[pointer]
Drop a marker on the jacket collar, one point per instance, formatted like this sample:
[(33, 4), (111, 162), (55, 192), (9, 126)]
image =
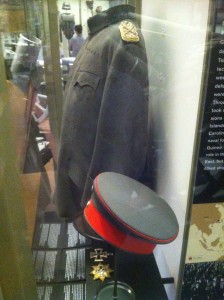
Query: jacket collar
[(112, 15)]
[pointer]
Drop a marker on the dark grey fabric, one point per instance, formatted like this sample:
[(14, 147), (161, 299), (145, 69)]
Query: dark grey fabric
[(105, 116)]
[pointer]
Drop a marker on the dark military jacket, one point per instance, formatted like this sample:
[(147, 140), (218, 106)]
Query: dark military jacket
[(106, 109)]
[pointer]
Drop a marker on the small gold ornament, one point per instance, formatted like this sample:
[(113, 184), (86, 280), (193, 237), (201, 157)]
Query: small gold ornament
[(101, 272), (128, 32)]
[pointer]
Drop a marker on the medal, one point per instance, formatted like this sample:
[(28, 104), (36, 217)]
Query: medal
[(101, 272), (99, 254)]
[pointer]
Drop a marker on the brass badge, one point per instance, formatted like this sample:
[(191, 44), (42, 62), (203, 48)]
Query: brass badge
[(128, 32), (101, 272)]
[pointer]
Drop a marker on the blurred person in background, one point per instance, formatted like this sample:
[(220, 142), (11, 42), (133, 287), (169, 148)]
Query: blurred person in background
[(76, 41)]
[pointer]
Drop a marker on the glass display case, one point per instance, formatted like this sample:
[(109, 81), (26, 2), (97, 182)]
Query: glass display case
[(111, 164)]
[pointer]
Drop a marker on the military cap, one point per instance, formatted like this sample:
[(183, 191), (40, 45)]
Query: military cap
[(129, 215)]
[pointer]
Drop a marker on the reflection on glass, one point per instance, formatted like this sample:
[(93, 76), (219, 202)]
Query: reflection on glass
[(175, 35), (24, 60)]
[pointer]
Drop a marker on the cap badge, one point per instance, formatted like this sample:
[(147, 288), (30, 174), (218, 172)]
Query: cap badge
[(128, 32)]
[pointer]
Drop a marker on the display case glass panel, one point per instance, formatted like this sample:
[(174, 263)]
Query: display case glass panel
[(116, 117)]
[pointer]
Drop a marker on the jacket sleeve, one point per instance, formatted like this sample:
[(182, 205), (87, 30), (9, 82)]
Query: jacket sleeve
[(121, 140)]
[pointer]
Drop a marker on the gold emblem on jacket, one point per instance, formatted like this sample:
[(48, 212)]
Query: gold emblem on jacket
[(128, 32)]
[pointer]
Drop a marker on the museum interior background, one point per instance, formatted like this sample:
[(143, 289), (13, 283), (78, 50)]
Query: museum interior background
[(175, 34)]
